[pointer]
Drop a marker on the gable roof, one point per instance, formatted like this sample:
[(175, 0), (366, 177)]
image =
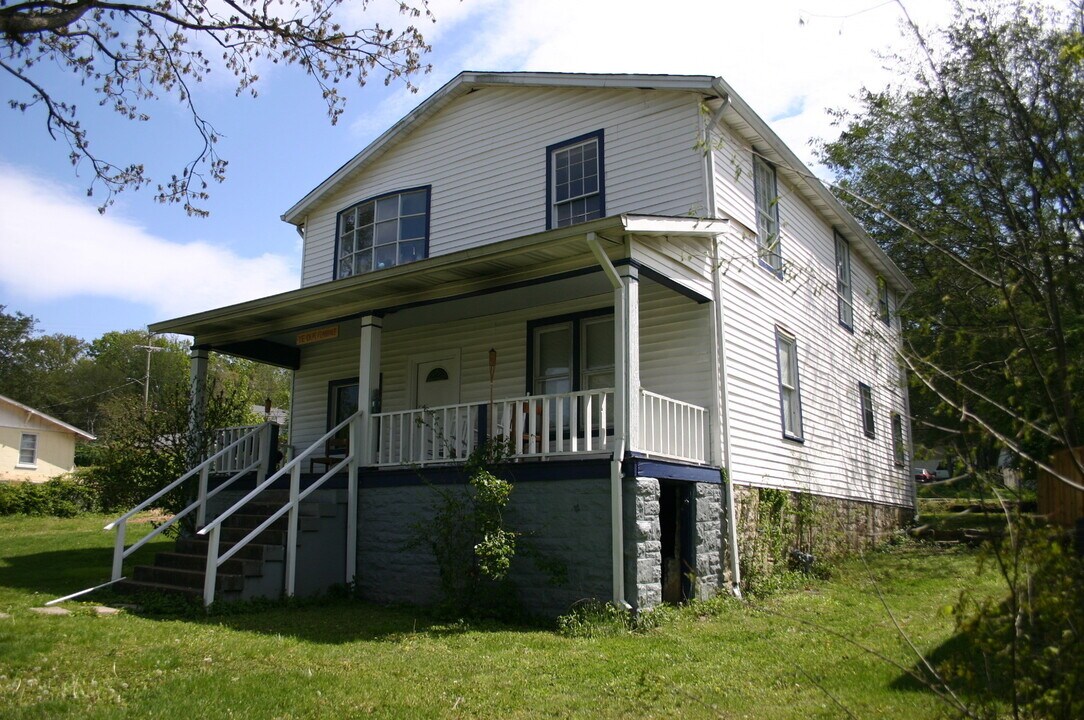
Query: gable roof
[(736, 112), (47, 419)]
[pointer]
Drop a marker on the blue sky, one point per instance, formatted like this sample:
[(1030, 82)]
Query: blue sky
[(83, 274)]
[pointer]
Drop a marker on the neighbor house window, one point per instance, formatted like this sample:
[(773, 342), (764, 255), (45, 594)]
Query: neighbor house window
[(790, 397), (575, 190), (899, 450), (883, 311), (865, 395), (844, 294), (383, 232), (767, 209), (28, 449)]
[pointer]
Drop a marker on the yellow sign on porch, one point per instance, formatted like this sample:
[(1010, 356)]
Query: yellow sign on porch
[(318, 335)]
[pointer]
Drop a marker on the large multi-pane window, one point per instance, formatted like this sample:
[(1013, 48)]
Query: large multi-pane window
[(844, 292), (383, 232), (576, 188), (767, 210), (790, 396), (865, 395), (28, 449)]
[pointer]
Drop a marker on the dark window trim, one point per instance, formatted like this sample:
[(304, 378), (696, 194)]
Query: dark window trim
[(899, 450), (339, 219), (551, 149), (774, 206), (782, 333), (575, 319), (869, 429), (884, 301), (332, 386)]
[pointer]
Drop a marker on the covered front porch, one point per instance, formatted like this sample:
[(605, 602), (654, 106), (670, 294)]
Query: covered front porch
[(594, 344)]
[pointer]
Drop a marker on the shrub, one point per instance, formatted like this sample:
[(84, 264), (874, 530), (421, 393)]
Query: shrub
[(59, 497)]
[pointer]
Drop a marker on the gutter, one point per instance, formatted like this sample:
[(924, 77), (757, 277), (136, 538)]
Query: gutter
[(617, 535), (719, 376)]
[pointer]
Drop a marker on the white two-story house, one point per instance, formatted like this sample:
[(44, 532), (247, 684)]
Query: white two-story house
[(628, 279)]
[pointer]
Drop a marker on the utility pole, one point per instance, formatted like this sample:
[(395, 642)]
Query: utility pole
[(147, 375)]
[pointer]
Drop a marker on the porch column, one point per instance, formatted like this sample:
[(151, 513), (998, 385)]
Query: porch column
[(369, 382), (628, 347), (197, 402)]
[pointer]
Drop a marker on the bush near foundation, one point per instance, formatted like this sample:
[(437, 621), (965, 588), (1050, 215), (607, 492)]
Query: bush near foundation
[(59, 497)]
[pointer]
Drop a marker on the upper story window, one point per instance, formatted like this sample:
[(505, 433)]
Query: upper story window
[(790, 395), (575, 189), (767, 208), (844, 293), (383, 232), (883, 310), (28, 449)]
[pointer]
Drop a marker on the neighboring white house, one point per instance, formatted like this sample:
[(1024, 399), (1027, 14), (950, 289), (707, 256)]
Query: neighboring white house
[(650, 286), (33, 445)]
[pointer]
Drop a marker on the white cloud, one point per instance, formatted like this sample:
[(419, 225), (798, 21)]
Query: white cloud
[(55, 246)]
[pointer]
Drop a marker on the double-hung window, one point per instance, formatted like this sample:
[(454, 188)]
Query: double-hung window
[(899, 450), (573, 354), (883, 308), (865, 395), (575, 189), (790, 396), (383, 232), (767, 210), (28, 450), (844, 292)]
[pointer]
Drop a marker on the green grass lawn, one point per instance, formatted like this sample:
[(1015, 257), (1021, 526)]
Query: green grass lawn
[(782, 657)]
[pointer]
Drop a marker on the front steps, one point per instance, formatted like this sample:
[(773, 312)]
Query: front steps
[(258, 569)]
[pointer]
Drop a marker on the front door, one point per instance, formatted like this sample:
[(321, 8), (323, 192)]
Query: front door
[(436, 380)]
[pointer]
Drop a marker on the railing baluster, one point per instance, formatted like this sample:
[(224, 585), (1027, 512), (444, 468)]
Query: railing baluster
[(212, 565)]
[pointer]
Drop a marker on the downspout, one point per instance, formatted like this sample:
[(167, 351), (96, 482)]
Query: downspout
[(907, 413), (719, 360), (617, 536)]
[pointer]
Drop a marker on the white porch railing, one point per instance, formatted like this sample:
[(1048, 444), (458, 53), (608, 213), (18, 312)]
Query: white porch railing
[(533, 426), (256, 440), (292, 507), (673, 429), (240, 454)]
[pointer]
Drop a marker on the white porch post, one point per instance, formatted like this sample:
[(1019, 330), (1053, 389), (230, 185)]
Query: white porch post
[(630, 351), (197, 401), (363, 438)]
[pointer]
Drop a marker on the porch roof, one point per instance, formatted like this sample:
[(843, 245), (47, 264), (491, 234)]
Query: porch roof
[(243, 329)]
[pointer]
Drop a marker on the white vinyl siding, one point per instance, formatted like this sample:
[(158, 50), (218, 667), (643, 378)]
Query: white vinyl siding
[(484, 191)]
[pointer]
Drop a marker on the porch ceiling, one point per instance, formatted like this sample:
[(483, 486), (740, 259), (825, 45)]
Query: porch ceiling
[(464, 273)]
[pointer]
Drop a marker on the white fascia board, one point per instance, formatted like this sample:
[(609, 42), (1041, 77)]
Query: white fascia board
[(673, 226), (461, 84), (48, 419), (805, 176)]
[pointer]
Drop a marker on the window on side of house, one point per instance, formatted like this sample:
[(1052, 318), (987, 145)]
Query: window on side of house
[(883, 308), (28, 450), (767, 210), (865, 395), (790, 397), (844, 292), (575, 188), (383, 232), (899, 450)]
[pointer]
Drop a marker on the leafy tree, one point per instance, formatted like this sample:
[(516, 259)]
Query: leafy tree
[(970, 175), (129, 53)]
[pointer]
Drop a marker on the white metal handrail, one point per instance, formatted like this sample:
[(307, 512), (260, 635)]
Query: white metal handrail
[(293, 467), (120, 553), (533, 426), (673, 429)]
